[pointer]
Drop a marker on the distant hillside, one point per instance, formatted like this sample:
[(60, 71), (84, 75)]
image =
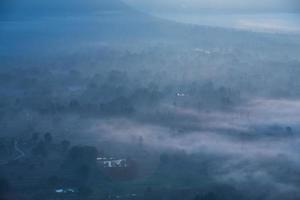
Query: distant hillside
[(44, 25), (37, 9)]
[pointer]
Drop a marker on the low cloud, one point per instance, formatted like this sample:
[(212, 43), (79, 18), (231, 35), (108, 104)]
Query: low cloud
[(245, 156), (218, 132), (276, 26)]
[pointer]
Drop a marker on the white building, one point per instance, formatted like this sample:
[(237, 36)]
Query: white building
[(113, 162)]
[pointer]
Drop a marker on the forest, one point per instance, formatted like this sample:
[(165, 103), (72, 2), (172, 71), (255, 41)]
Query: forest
[(103, 101)]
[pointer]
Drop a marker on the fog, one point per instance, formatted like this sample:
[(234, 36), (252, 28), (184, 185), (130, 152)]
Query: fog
[(204, 109)]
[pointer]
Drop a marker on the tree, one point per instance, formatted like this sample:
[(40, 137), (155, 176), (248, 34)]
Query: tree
[(35, 137), (53, 181), (74, 104), (151, 194), (141, 141), (85, 191), (80, 155), (65, 145), (164, 158), (40, 149), (197, 197), (48, 137), (210, 196), (84, 172), (289, 130), (120, 105)]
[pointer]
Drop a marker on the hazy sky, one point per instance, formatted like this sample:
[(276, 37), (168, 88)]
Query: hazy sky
[(202, 12), (224, 5), (270, 15)]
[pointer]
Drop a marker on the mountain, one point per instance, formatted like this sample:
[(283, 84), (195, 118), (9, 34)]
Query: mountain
[(45, 25), (28, 24), (53, 24), (37, 9)]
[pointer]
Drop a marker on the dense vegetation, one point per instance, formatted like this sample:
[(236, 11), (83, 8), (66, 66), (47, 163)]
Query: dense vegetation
[(122, 105)]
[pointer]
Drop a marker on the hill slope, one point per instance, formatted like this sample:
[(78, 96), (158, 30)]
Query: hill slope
[(42, 26)]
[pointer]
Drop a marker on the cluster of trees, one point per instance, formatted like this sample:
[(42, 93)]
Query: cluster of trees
[(41, 145), (212, 192)]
